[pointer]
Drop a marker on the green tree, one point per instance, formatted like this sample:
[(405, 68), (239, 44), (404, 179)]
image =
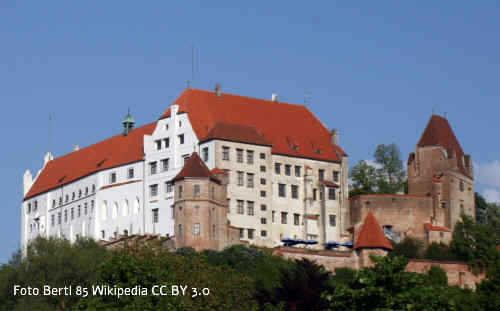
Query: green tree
[(439, 251), (363, 177), (437, 275), (391, 176), (480, 206), (489, 289), (409, 248)]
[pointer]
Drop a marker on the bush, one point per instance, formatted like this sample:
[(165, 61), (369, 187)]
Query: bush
[(437, 276), (439, 251), (409, 248)]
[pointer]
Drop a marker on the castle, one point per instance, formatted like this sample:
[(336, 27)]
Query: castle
[(218, 169)]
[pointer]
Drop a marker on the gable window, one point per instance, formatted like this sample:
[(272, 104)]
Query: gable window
[(250, 180), (152, 168), (153, 190), (164, 165), (249, 157), (166, 141), (277, 168), (321, 174), (288, 169), (335, 176), (196, 190), (240, 178), (295, 192), (158, 144), (205, 154), (333, 220), (282, 190), (262, 156), (196, 229), (284, 216), (240, 209), (331, 193), (297, 171), (250, 209), (296, 219), (130, 173), (225, 153), (155, 216), (181, 139), (239, 155), (250, 233)]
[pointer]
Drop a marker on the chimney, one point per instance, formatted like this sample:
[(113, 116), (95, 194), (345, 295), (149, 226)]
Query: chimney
[(76, 147), (218, 91), (334, 137), (274, 97)]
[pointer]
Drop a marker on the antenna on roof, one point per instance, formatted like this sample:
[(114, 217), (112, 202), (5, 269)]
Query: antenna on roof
[(307, 97)]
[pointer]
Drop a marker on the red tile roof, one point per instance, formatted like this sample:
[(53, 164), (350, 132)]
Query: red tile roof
[(218, 171), (237, 133), (430, 227), (112, 152), (371, 235), (284, 125), (194, 167), (330, 184), (439, 132)]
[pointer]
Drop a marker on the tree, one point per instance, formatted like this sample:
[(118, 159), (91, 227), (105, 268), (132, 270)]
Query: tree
[(363, 177), (480, 206), (391, 175), (439, 251), (409, 248)]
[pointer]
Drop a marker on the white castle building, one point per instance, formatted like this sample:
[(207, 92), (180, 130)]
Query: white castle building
[(287, 174)]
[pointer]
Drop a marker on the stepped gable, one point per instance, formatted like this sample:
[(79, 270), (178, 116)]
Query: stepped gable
[(292, 129), (115, 151), (371, 235), (236, 133), (439, 132), (194, 167)]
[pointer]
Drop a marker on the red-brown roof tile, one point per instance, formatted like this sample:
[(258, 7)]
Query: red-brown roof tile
[(430, 227), (195, 167), (112, 152), (279, 123), (439, 132), (330, 184), (371, 235), (236, 133)]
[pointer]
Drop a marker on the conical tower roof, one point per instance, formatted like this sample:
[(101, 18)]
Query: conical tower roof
[(195, 167), (371, 235)]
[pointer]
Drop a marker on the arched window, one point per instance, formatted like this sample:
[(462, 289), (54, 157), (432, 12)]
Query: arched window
[(104, 209), (180, 230), (115, 210), (136, 206), (125, 208)]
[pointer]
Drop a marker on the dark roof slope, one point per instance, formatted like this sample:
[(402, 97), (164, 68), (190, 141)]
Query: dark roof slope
[(292, 129), (371, 235), (236, 133), (114, 151), (195, 167)]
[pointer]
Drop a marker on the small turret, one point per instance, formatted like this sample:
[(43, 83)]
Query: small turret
[(128, 124)]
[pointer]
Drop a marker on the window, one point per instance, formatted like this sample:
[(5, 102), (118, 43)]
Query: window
[(60, 201), (72, 198), (249, 157), (92, 206), (263, 168), (67, 198), (297, 171), (321, 174), (296, 219), (59, 218), (196, 229), (262, 156), (85, 209), (29, 208), (462, 209), (239, 155), (185, 158), (443, 204), (284, 216), (242, 233), (166, 126), (461, 185), (125, 232), (205, 154), (281, 190), (180, 191), (172, 211), (66, 216), (240, 207), (72, 213), (262, 181), (213, 192), (181, 139), (321, 195), (214, 231), (240, 178), (180, 230), (103, 234), (166, 141), (93, 188), (130, 173), (272, 216), (152, 168), (155, 215), (333, 220), (168, 187), (262, 193), (315, 194), (86, 190), (79, 211), (263, 233), (225, 153), (164, 165), (53, 220), (277, 168), (331, 193), (250, 233), (250, 180), (295, 192), (79, 193), (263, 221), (153, 190), (441, 234), (335, 176), (263, 207), (53, 203), (180, 123), (196, 190), (288, 169), (250, 209), (158, 144)]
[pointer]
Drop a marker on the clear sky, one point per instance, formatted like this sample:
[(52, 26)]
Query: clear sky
[(375, 70)]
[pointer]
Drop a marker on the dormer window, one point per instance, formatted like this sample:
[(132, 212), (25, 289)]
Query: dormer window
[(166, 126), (112, 178), (158, 144)]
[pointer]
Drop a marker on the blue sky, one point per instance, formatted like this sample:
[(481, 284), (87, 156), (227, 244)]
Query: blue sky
[(375, 70)]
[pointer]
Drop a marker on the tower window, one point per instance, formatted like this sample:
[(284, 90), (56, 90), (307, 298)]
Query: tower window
[(196, 229), (196, 190), (205, 154), (335, 176)]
